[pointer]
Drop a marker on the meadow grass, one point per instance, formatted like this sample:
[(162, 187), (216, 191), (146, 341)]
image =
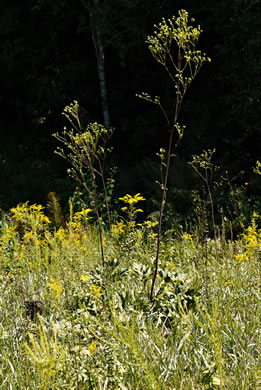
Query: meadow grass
[(98, 328)]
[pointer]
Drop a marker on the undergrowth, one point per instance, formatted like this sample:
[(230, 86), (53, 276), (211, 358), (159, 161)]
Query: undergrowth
[(98, 329)]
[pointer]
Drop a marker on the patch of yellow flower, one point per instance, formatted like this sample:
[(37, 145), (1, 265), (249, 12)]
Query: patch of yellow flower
[(131, 200), (79, 222), (56, 288), (96, 291), (85, 278), (118, 229), (29, 236), (251, 241), (8, 234), (187, 237), (30, 214), (61, 234), (93, 347), (150, 224)]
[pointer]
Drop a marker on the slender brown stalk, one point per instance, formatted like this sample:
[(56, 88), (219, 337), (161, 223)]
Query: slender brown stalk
[(174, 31)]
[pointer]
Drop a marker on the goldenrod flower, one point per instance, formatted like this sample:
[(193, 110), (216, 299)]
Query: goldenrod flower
[(96, 291), (187, 237), (84, 278), (132, 199), (93, 348), (56, 288)]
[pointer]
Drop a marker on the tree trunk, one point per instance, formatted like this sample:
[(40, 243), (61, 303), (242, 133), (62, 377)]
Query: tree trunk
[(99, 51)]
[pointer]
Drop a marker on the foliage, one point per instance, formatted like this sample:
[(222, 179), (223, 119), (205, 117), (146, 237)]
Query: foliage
[(47, 355), (99, 329)]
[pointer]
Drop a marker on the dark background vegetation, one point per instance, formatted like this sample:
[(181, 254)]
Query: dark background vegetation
[(47, 60)]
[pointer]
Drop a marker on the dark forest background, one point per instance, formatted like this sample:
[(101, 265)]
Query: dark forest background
[(48, 59)]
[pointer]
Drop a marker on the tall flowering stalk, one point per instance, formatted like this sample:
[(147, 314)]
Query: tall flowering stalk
[(173, 45), (86, 150)]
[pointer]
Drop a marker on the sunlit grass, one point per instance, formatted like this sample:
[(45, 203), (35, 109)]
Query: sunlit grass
[(98, 328)]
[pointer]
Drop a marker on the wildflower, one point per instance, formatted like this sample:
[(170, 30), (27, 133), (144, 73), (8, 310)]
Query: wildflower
[(96, 291), (25, 213), (187, 237), (28, 236), (93, 348), (60, 234), (7, 236), (84, 278), (150, 224), (131, 210), (56, 288), (242, 257), (251, 241), (132, 199), (118, 228), (82, 215)]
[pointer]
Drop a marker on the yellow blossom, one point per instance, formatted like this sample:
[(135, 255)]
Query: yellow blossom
[(60, 235), (187, 237), (93, 348), (84, 278), (82, 215), (56, 288), (28, 236), (250, 241), (150, 224), (132, 199), (118, 228), (96, 291)]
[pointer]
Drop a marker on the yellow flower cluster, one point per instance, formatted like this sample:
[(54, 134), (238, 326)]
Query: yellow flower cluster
[(82, 215), (118, 229), (85, 278), (96, 291), (149, 224), (56, 288), (93, 348), (122, 227), (30, 221), (251, 241), (131, 200), (79, 221), (61, 234), (25, 213), (187, 237), (8, 234)]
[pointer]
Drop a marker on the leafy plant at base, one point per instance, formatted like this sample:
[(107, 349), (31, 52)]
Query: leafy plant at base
[(182, 66), (46, 355), (86, 155)]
